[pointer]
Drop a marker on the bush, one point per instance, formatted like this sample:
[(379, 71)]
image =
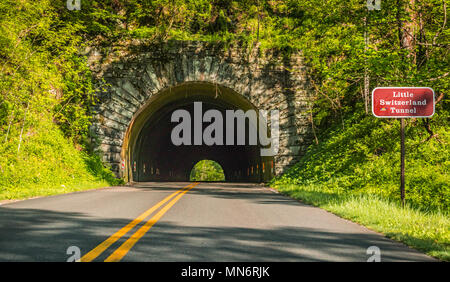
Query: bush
[(46, 164), (364, 158)]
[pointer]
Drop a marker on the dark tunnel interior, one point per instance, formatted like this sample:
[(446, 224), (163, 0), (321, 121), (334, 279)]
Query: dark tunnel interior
[(155, 158)]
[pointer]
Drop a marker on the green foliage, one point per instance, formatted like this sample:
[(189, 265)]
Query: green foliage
[(357, 153), (44, 81), (73, 112), (47, 164), (331, 36), (44, 78), (329, 33), (365, 159), (41, 69), (207, 170)]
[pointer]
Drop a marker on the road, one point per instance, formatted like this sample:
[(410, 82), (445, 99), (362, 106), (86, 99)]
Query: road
[(185, 222)]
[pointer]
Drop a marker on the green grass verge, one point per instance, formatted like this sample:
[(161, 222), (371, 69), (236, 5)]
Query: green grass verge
[(48, 164), (40, 191), (426, 231)]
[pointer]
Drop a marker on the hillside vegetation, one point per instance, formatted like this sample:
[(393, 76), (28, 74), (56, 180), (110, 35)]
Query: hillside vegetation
[(364, 158), (355, 173)]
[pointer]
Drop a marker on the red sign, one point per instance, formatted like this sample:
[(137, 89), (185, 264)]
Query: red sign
[(402, 102)]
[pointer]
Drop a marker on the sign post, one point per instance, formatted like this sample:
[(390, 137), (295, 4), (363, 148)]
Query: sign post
[(402, 161), (403, 102)]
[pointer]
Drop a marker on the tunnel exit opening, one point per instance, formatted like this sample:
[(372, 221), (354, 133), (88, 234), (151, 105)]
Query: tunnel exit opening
[(207, 170), (149, 153)]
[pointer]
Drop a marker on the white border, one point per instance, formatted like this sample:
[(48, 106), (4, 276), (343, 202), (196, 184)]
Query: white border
[(404, 87)]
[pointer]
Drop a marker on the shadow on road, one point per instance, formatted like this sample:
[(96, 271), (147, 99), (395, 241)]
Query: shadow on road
[(244, 191), (42, 235)]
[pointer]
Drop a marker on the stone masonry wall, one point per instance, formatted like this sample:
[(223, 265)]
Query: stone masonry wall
[(134, 72)]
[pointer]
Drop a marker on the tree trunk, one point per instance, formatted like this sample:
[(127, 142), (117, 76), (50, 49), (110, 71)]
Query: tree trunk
[(407, 28), (23, 125), (9, 126)]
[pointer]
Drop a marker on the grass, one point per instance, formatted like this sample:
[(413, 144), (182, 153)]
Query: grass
[(353, 172), (48, 164), (40, 191), (426, 231)]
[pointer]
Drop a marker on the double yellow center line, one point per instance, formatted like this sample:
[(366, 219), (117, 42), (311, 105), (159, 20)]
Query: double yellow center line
[(118, 254)]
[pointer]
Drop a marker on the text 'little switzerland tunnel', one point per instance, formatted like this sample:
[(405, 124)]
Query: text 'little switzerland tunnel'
[(165, 107)]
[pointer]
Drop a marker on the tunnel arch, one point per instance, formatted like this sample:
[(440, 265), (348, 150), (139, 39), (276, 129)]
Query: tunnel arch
[(137, 78), (150, 155)]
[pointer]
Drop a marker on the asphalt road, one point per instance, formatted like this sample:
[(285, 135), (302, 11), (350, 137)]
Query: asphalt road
[(167, 222)]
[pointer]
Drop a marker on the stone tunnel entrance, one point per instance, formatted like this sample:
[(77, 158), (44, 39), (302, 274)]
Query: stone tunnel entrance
[(141, 84), (152, 156)]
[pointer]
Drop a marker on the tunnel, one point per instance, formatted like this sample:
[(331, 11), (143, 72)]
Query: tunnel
[(152, 155)]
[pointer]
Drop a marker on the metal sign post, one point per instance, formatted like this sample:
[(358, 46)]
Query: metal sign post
[(402, 161), (403, 102)]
